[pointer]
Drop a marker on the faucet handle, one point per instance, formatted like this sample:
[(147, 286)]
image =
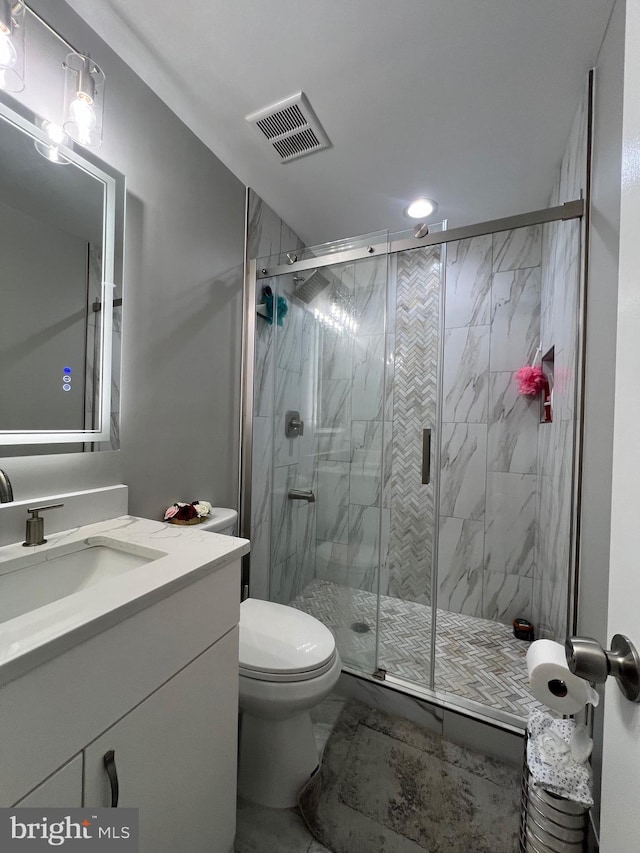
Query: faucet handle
[(34, 510)]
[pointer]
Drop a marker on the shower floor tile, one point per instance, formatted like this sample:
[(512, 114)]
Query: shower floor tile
[(477, 659)]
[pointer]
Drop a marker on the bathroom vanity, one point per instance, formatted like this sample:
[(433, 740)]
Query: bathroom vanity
[(134, 672)]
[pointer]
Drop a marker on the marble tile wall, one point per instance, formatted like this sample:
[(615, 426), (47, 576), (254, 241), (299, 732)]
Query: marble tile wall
[(506, 480), (561, 277), (283, 532), (488, 485)]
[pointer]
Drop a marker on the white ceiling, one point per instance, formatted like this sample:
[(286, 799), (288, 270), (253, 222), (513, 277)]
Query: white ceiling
[(468, 102)]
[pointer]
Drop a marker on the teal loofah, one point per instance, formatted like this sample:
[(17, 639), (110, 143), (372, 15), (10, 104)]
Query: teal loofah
[(266, 307), (282, 310)]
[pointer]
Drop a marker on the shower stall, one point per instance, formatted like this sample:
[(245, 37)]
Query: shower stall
[(396, 485)]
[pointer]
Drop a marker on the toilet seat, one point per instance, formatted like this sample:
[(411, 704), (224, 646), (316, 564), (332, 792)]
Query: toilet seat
[(280, 643)]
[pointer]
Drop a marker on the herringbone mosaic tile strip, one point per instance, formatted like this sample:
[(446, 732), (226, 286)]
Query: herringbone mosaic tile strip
[(414, 409), (475, 658)]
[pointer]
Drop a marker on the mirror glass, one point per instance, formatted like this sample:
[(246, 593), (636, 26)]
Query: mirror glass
[(61, 248)]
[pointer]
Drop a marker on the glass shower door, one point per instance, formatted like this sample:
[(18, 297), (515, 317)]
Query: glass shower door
[(406, 618), (328, 519)]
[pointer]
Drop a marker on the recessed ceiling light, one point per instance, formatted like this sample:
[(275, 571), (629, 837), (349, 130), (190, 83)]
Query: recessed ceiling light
[(421, 208)]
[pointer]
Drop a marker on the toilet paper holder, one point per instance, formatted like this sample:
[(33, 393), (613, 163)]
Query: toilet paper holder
[(587, 659)]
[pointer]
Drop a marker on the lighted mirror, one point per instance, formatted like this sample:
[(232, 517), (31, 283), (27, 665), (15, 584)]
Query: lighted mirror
[(61, 236)]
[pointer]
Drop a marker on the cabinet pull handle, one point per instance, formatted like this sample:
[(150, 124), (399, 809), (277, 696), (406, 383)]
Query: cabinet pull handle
[(109, 761)]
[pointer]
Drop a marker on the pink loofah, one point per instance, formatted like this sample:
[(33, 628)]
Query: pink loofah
[(531, 380)]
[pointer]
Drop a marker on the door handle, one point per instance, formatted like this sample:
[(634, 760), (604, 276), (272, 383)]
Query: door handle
[(109, 761), (426, 457), (587, 659)]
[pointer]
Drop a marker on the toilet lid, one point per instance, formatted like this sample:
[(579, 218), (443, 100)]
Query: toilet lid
[(280, 640)]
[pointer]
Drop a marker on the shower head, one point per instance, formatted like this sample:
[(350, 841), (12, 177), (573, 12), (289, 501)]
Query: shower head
[(309, 284)]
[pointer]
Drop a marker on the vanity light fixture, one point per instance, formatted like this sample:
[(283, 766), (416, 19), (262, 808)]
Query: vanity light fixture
[(51, 150), (12, 45), (421, 208), (83, 100)]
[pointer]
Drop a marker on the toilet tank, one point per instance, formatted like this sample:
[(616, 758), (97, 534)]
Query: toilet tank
[(221, 520)]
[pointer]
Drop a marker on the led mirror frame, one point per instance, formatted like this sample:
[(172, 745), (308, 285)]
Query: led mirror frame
[(112, 241)]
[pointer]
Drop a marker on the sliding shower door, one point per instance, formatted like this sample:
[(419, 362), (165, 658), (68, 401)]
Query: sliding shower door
[(329, 514), (405, 492), (406, 614)]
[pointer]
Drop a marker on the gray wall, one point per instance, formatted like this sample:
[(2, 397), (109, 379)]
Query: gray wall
[(182, 312)]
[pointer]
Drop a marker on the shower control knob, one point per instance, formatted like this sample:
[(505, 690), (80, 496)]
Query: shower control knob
[(587, 659)]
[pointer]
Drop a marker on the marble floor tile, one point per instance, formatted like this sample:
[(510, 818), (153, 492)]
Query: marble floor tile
[(324, 717), (263, 830)]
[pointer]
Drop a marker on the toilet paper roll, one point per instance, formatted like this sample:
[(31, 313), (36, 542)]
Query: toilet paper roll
[(552, 682)]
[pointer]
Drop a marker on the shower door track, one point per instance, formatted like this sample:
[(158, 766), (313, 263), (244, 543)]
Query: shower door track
[(487, 714), (568, 210)]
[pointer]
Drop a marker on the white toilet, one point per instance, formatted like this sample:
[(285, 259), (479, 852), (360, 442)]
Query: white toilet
[(288, 664)]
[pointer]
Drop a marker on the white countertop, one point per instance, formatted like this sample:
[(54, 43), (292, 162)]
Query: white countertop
[(29, 640)]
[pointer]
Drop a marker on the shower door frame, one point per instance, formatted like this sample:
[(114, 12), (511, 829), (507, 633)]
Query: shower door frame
[(576, 209)]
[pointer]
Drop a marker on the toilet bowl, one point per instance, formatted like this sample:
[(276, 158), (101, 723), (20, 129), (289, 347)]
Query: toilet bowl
[(289, 663)]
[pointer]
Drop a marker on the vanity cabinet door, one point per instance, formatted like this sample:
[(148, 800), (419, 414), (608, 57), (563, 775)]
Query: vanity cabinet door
[(63, 789), (175, 756)]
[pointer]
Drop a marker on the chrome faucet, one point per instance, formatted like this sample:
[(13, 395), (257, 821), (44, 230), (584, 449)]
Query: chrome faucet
[(6, 492)]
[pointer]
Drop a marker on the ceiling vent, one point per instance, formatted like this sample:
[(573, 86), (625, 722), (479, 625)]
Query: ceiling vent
[(292, 128)]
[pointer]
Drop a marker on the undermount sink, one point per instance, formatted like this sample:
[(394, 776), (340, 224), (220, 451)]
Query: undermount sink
[(85, 581), (39, 578)]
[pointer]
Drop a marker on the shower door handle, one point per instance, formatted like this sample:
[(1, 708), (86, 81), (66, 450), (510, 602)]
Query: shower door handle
[(426, 457)]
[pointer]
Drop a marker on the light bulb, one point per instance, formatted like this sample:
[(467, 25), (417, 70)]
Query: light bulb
[(55, 133), (82, 114), (8, 55), (420, 208)]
